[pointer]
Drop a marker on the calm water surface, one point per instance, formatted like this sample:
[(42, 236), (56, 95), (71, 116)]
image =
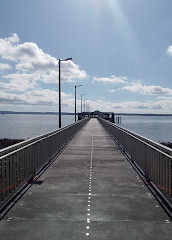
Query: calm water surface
[(157, 128), (21, 126)]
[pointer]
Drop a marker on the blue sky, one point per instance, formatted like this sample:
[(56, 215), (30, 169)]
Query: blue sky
[(121, 50)]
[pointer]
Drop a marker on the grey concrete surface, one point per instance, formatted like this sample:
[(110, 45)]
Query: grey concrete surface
[(89, 192)]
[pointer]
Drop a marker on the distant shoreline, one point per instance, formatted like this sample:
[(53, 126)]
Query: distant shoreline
[(68, 113), (34, 113)]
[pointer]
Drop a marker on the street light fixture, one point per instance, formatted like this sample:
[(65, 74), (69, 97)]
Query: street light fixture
[(81, 102), (61, 60), (75, 99)]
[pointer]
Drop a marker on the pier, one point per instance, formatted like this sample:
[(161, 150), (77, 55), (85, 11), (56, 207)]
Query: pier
[(91, 185), (110, 116)]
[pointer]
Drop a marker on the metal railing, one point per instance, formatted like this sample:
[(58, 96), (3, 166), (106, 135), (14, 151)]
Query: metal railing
[(21, 162), (154, 160)]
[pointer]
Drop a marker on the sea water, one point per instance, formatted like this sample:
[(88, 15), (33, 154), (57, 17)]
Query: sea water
[(156, 128), (24, 126)]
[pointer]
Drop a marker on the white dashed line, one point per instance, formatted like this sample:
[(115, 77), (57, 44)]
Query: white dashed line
[(89, 188)]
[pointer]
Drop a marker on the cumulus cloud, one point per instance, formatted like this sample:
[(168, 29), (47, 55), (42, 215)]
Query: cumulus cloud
[(44, 97), (111, 79), (4, 66), (28, 58), (13, 39), (161, 106), (111, 90), (31, 70), (49, 98), (152, 90), (169, 50), (11, 49), (30, 74), (164, 97), (134, 105), (19, 82)]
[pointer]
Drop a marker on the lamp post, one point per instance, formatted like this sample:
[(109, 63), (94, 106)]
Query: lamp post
[(61, 60), (87, 107), (81, 102), (75, 99), (84, 104)]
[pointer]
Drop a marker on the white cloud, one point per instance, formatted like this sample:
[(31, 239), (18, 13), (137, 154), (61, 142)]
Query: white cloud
[(4, 66), (33, 65), (158, 106), (143, 89), (44, 97), (11, 50), (13, 39), (164, 97), (134, 105), (19, 82), (49, 98), (169, 50), (111, 90), (111, 79), (33, 70)]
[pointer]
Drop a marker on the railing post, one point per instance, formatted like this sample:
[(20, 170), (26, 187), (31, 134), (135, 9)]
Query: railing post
[(21, 163), (155, 163)]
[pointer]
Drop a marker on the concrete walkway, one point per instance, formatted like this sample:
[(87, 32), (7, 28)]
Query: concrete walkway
[(89, 192)]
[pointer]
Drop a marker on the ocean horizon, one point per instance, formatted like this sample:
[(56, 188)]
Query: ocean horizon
[(23, 126), (71, 113)]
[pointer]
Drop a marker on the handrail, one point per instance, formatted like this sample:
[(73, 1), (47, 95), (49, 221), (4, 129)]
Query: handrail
[(21, 162), (153, 143), (155, 160), (31, 140)]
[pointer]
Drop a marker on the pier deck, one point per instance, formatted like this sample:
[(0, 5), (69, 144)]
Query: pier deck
[(89, 192)]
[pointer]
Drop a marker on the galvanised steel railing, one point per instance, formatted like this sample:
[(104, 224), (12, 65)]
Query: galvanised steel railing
[(21, 162), (154, 160)]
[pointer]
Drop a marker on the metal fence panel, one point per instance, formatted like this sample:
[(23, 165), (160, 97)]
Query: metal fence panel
[(153, 159), (21, 162)]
